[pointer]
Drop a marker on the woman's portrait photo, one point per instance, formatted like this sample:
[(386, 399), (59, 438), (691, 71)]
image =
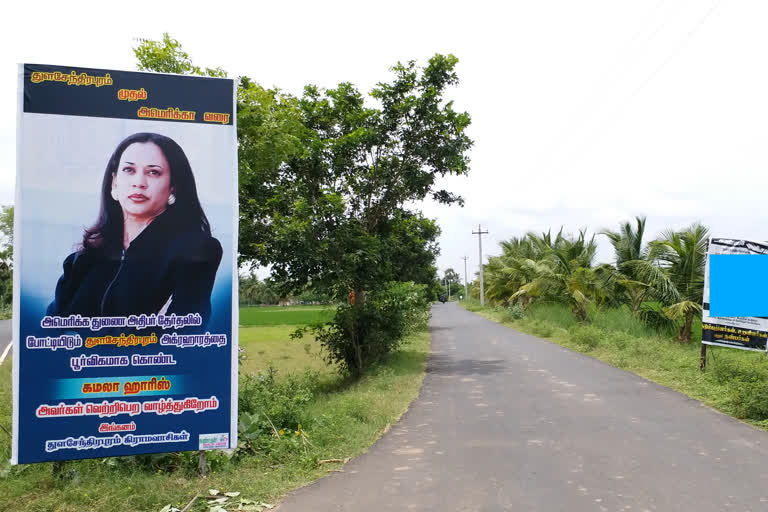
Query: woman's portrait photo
[(150, 249)]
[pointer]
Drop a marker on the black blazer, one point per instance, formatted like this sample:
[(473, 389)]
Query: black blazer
[(161, 263)]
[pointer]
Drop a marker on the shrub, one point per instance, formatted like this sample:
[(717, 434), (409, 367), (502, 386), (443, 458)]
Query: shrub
[(512, 313), (361, 334), (282, 401)]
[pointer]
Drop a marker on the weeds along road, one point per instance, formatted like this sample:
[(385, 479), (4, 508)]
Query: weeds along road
[(506, 421)]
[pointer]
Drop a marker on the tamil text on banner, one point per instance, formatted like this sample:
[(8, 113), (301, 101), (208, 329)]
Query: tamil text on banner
[(125, 264)]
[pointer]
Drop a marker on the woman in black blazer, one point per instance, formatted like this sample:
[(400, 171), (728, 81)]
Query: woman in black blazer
[(151, 249)]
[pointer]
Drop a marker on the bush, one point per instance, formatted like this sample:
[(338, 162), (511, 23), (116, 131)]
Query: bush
[(512, 313), (361, 334), (267, 405), (281, 400)]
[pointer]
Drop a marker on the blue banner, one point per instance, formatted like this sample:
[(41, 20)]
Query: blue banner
[(125, 317), (738, 284)]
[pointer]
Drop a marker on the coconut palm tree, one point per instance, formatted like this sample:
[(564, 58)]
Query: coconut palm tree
[(628, 241), (674, 270), (683, 254), (565, 272), (628, 246)]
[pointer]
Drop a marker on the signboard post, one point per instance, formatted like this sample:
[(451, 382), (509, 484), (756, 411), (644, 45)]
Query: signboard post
[(125, 275)]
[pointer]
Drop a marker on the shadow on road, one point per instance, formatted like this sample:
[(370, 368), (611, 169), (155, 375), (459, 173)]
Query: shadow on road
[(440, 364)]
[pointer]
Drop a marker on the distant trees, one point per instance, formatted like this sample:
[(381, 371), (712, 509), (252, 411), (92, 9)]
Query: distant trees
[(254, 291), (6, 260)]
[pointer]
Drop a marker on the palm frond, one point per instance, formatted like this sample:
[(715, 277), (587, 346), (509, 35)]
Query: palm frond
[(645, 271)]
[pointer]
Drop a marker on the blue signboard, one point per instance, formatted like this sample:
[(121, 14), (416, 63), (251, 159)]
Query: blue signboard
[(125, 305)]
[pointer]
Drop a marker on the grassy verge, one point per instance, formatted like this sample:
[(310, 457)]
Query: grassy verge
[(340, 418), (735, 382)]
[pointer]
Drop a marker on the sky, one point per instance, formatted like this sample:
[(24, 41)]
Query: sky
[(584, 114)]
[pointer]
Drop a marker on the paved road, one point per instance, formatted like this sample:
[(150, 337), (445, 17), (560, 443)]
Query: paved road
[(506, 421)]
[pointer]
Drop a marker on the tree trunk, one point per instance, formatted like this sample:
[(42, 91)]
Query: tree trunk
[(359, 302), (687, 330)]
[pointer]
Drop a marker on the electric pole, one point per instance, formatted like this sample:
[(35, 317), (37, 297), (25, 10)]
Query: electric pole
[(466, 290), (480, 234)]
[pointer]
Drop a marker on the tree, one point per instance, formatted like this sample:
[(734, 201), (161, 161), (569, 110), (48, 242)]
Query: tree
[(683, 255), (451, 282), (324, 179), (166, 56), (6, 256), (628, 246), (674, 270), (628, 242), (564, 272), (6, 234), (336, 215), (254, 291), (451, 276)]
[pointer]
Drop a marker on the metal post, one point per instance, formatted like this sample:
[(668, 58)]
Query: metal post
[(480, 234), (466, 289)]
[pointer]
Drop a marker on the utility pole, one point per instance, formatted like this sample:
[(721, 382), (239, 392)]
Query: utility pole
[(466, 290), (480, 234)]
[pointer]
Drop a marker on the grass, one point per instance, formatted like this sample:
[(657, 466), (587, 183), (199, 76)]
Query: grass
[(271, 346), (284, 315), (735, 382), (343, 419)]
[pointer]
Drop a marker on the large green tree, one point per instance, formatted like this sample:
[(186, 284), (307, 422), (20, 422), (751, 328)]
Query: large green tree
[(337, 214), (328, 181), (166, 56)]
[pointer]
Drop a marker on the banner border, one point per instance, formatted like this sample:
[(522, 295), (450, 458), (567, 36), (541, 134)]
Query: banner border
[(16, 319), (16, 307)]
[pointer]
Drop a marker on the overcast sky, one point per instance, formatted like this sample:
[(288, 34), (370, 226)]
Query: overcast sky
[(584, 113)]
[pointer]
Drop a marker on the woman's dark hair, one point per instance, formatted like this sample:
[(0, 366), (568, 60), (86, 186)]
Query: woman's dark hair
[(188, 215)]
